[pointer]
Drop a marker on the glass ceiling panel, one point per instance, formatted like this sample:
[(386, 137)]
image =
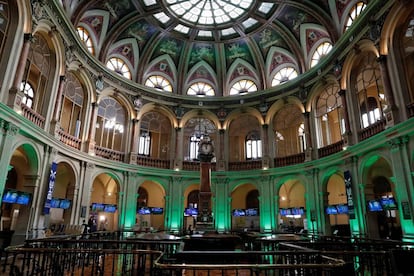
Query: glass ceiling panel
[(209, 12)]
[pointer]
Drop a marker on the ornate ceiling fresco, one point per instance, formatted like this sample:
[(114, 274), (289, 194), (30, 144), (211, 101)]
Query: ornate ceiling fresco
[(216, 42)]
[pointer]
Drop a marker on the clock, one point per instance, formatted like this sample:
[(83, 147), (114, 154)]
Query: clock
[(206, 148)]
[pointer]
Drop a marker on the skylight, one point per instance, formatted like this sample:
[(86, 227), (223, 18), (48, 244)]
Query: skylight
[(211, 12)]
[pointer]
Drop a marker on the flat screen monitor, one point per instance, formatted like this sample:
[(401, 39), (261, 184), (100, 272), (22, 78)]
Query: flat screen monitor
[(109, 208), (157, 210), (238, 212), (64, 203), (388, 203), (144, 211), (342, 208), (10, 196), (285, 212), (331, 210), (252, 212), (97, 207), (298, 211), (54, 202), (23, 198), (190, 212), (374, 205)]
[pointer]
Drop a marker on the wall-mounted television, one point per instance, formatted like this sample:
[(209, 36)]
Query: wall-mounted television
[(64, 203), (252, 212), (109, 208), (298, 211), (374, 205), (157, 210), (97, 207), (285, 212), (23, 198), (331, 210), (238, 213), (342, 208), (388, 203), (144, 211), (10, 196), (190, 212), (55, 202), (17, 197)]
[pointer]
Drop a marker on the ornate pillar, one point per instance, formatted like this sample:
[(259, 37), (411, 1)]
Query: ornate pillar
[(221, 208), (391, 111), (92, 129), (265, 146), (308, 138), (8, 131), (55, 125), (265, 201), (403, 183), (221, 162), (346, 137), (15, 95), (178, 160), (134, 142)]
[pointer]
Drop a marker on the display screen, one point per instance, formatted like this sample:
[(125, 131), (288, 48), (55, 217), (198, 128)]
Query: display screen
[(298, 211), (252, 212), (374, 205), (144, 211), (331, 210), (109, 208), (54, 203), (64, 203), (342, 208), (97, 207), (388, 203), (10, 196), (157, 210), (190, 212), (285, 212), (23, 198), (238, 213)]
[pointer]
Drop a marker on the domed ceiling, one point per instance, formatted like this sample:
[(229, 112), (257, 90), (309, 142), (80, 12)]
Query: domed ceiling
[(217, 42)]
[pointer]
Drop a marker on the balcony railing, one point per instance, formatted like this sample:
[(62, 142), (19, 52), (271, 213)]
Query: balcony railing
[(153, 162), (290, 160), (109, 154), (69, 140), (331, 149), (195, 166), (371, 130), (30, 114), (245, 165)]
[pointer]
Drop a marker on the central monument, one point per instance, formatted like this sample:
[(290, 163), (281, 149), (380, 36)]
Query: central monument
[(205, 155)]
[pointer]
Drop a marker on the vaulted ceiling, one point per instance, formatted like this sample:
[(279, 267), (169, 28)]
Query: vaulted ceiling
[(210, 40)]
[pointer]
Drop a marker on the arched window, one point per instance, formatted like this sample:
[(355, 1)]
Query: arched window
[(110, 125), (159, 82), (302, 138), (283, 75), (243, 87), (119, 66), (329, 121), (86, 39), (320, 52), (253, 146), (200, 89), (354, 13), (29, 94), (72, 106), (369, 90), (144, 144), (195, 130)]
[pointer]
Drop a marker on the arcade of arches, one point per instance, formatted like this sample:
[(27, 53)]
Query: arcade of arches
[(101, 117)]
